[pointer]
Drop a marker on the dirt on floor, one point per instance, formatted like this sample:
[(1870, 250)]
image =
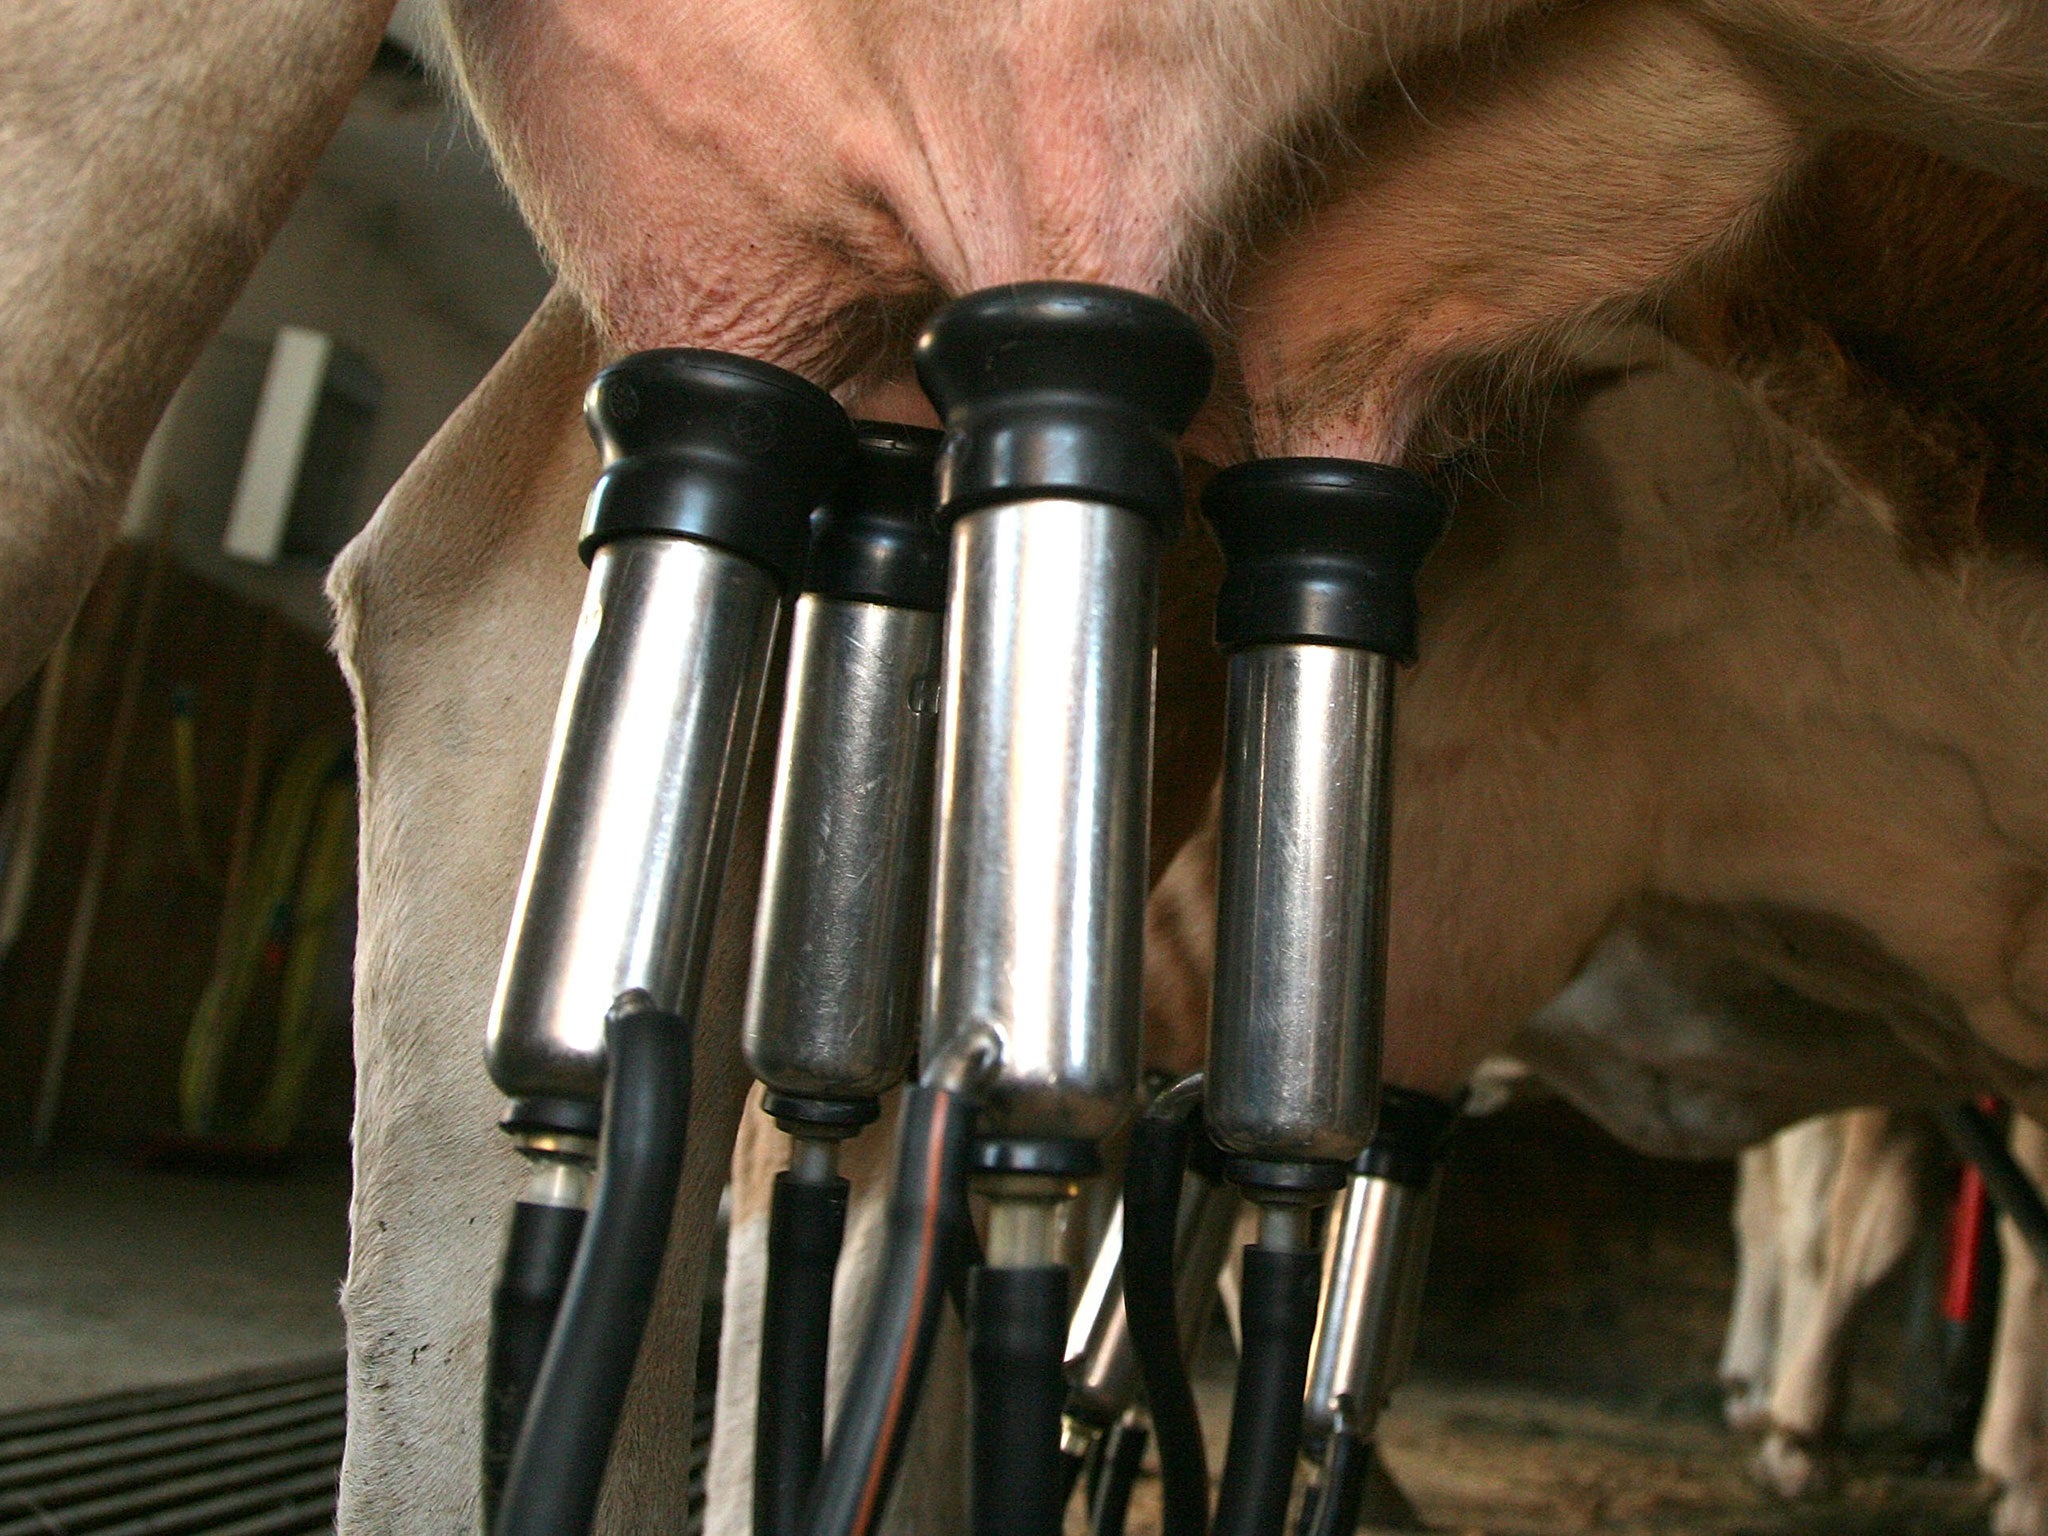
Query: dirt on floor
[(1565, 1377), (1477, 1461), (1507, 1463)]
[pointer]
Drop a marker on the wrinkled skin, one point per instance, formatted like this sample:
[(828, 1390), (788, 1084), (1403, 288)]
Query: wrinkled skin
[(792, 181)]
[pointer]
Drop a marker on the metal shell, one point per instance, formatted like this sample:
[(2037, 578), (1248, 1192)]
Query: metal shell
[(838, 944), (1102, 1366), (1301, 902), (643, 779), (1039, 873), (1372, 1268)]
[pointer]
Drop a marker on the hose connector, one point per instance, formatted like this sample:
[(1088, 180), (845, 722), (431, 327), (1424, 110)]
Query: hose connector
[(967, 1062)]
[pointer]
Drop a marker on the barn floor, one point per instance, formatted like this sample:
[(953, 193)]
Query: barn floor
[(113, 1277), (1523, 1464), (1479, 1461), (1565, 1374), (1564, 1383), (1566, 1361)]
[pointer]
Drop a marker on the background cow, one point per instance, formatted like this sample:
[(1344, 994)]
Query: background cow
[(1824, 1211)]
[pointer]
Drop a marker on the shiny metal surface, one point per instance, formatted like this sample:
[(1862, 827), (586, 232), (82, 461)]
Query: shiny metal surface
[(813, 1162), (1370, 1284), (643, 777), (1301, 902), (1027, 1230), (1102, 1367), (1099, 1360), (1285, 1227), (832, 1003), (1414, 1276), (560, 1181), (1045, 741)]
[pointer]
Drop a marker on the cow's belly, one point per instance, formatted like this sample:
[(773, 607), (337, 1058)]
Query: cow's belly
[(1669, 661), (1700, 1031)]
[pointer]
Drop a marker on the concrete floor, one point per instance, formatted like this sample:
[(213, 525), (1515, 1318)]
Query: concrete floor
[(112, 1277)]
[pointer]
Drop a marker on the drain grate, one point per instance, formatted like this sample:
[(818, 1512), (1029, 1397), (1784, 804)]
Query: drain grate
[(252, 1454)]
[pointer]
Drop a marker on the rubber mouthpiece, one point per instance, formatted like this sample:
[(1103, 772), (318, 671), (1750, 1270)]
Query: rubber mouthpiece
[(878, 540), (1063, 390), (1321, 550), (715, 447)]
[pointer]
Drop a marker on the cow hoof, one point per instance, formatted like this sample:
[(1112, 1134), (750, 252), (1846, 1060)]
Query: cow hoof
[(1747, 1406), (2021, 1510), (1791, 1468)]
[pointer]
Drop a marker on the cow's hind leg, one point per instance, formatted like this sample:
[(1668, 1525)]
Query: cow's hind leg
[(1753, 1319), (456, 610), (2012, 1435), (1839, 1243), (453, 614)]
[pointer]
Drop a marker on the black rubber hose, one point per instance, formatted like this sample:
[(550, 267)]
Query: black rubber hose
[(1123, 1457), (540, 1252), (1977, 1137), (558, 1467), (1152, 1179), (806, 1225), (1277, 1319), (1332, 1508), (1016, 1353), (923, 1245)]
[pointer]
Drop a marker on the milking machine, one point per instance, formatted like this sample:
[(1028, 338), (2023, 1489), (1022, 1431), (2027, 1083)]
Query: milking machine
[(698, 525), (832, 1003), (1063, 404), (1059, 477), (1057, 480), (1102, 1428), (1163, 1144), (1372, 1292), (1317, 605)]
